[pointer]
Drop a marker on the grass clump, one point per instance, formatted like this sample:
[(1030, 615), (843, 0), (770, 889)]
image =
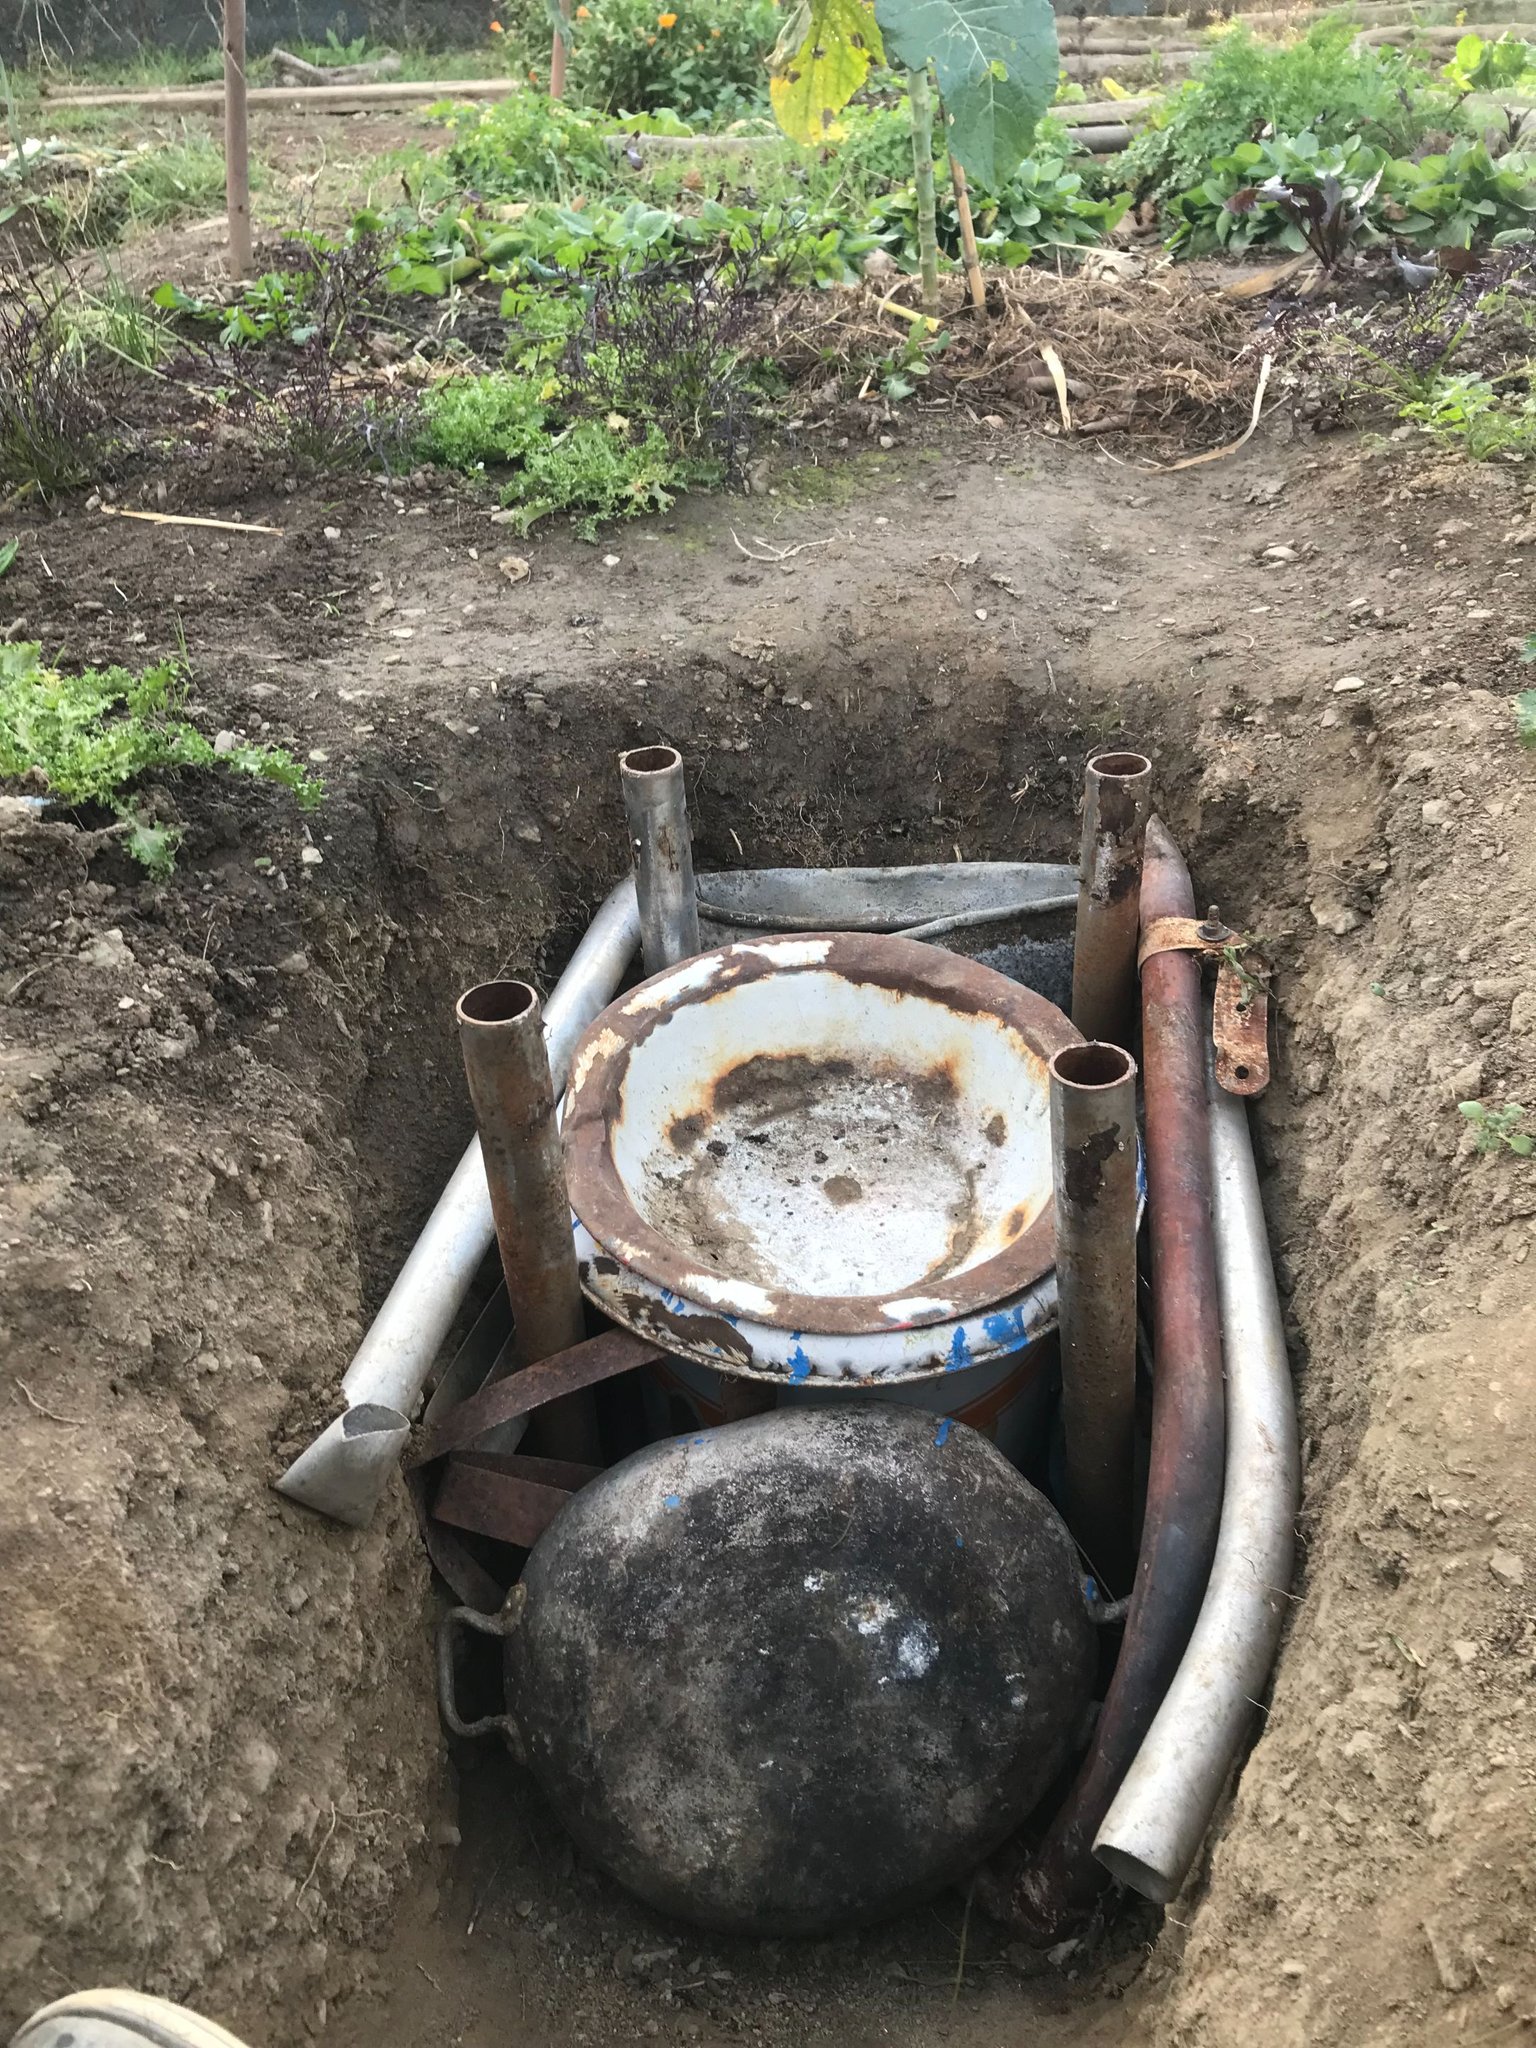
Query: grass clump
[(89, 738)]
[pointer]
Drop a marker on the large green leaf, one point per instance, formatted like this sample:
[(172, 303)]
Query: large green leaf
[(996, 64), (822, 59)]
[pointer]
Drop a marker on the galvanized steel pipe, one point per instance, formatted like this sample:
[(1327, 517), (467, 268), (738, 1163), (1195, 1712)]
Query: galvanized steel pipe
[(507, 1067), (1117, 802), (1093, 1165), (344, 1472), (1058, 1886), (1153, 1831), (656, 805)]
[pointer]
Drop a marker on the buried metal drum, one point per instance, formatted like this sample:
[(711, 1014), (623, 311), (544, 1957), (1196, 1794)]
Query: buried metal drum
[(796, 1673)]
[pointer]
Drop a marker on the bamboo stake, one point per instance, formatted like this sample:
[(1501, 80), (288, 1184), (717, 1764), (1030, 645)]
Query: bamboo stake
[(237, 145), (184, 519), (968, 234)]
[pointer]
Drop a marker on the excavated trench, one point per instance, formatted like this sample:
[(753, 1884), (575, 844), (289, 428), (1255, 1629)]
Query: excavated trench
[(233, 1100)]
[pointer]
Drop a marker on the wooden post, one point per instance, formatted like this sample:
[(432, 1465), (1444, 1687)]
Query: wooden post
[(237, 147), (557, 56), (968, 235)]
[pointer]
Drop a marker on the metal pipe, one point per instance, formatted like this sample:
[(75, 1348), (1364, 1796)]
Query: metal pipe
[(507, 1067), (1117, 801), (1058, 1886), (656, 804), (919, 901), (344, 1472), (1154, 1829), (1093, 1161)]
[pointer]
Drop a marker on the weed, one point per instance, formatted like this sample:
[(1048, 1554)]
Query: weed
[(1484, 422), (119, 321), (1525, 702), (1498, 1130), (527, 147), (8, 553), (91, 737), (663, 343), (53, 417)]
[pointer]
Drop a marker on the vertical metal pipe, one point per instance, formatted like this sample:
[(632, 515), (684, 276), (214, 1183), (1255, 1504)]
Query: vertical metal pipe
[(1055, 1892), (1093, 1160), (656, 804), (1117, 802), (502, 1035)]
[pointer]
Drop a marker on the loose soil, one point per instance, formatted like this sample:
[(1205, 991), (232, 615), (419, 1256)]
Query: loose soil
[(229, 1101)]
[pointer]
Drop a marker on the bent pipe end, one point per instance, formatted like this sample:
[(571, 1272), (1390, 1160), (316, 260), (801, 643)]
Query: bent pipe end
[(344, 1472)]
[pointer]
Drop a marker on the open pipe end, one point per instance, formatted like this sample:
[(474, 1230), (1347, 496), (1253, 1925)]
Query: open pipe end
[(498, 1002), (1121, 767), (1136, 1874), (1095, 1064), (647, 761)]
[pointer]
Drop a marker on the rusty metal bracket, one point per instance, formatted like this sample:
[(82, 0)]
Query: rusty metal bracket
[(1240, 1024)]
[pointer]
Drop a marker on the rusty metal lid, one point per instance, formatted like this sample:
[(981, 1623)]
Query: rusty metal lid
[(835, 1132)]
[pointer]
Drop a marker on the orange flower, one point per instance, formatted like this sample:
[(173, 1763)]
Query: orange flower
[(715, 32), (583, 14), (666, 21), (496, 28), (533, 78)]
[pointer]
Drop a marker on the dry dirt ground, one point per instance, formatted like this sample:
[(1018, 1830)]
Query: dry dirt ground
[(227, 1102)]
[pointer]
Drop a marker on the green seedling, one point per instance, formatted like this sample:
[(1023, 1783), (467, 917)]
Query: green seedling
[(1498, 1130)]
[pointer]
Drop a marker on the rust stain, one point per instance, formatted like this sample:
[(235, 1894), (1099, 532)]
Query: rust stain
[(997, 1130), (1085, 1166), (685, 1132)]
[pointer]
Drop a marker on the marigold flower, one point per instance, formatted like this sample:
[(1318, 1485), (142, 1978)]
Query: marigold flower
[(496, 28), (666, 21), (583, 14)]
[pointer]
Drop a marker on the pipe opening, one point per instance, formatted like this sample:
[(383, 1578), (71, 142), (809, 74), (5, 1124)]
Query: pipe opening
[(650, 761), (1120, 767), (497, 1002), (1094, 1065)]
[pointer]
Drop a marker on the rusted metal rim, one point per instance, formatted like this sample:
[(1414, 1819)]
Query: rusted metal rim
[(595, 1108)]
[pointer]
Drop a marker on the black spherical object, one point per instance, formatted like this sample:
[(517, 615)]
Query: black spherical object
[(803, 1671)]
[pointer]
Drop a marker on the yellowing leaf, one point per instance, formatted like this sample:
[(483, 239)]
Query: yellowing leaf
[(822, 59), (1115, 90)]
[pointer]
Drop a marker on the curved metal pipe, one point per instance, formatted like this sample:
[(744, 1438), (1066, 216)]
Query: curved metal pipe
[(1153, 1831), (917, 901), (344, 1472), (1117, 802), (656, 805), (1058, 1886), (507, 1067), (1093, 1163)]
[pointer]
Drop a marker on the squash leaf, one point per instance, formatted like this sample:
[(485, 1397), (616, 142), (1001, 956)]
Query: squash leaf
[(996, 64), (822, 59)]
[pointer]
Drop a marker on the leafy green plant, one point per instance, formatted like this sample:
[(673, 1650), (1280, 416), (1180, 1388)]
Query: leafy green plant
[(91, 737), (1462, 196), (696, 56), (1525, 702), (1321, 85), (1043, 204), (1498, 1130), (527, 147), (8, 552), (1484, 422), (1503, 65)]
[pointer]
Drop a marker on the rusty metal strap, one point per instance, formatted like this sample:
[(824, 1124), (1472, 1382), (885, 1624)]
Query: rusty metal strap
[(498, 1504), (584, 1365), (1184, 935)]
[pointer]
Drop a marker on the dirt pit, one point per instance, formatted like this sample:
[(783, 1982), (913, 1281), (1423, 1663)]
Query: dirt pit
[(230, 1100)]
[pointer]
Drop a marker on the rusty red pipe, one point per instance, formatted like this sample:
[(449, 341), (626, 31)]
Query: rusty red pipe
[(1060, 1883)]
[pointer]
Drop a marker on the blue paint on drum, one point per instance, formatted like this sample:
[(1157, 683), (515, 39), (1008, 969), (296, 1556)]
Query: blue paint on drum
[(941, 1434)]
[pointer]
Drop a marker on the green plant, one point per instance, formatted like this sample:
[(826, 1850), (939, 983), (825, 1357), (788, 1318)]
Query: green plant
[(1503, 65), (1525, 702), (1497, 1130), (1043, 204), (91, 737), (118, 321), (527, 147), (695, 56), (1321, 85), (1484, 422), (8, 552)]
